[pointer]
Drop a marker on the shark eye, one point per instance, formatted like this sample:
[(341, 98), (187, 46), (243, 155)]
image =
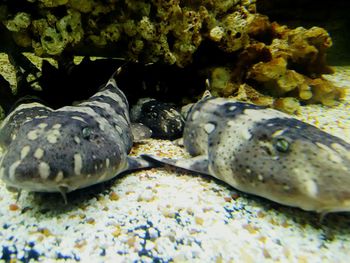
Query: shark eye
[(282, 145), (86, 133)]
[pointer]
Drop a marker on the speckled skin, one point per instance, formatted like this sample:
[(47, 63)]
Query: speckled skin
[(162, 118), (69, 148), (267, 153)]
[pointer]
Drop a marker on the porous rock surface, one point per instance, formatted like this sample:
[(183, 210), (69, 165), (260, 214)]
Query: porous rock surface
[(263, 55)]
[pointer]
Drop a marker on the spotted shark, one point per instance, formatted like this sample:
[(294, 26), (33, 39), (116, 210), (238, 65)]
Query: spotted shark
[(267, 153), (73, 147)]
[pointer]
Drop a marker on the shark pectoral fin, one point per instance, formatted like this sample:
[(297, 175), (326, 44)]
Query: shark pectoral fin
[(63, 189), (18, 192), (137, 163), (179, 142), (197, 164)]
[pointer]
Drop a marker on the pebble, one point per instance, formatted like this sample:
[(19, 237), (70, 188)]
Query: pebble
[(146, 196)]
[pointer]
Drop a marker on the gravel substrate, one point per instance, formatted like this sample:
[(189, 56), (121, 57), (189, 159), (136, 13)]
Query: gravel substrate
[(162, 215)]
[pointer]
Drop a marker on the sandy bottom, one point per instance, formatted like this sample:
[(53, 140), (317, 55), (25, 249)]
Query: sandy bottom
[(162, 215)]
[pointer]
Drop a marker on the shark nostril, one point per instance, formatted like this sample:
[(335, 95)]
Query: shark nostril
[(267, 150)]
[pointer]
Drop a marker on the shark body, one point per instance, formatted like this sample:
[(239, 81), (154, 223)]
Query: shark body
[(267, 153), (73, 147)]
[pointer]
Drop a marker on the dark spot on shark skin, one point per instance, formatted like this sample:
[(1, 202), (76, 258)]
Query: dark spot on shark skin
[(234, 109)]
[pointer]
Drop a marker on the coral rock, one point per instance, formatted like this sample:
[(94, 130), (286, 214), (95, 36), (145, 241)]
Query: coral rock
[(262, 55)]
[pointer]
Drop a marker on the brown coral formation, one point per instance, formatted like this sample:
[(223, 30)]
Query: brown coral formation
[(284, 63), (296, 64), (279, 61), (151, 31)]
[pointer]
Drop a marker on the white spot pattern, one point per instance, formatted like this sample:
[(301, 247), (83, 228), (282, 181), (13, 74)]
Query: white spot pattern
[(44, 170), (209, 127), (39, 153), (12, 170), (24, 152), (78, 163)]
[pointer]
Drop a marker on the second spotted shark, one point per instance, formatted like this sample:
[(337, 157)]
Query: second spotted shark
[(267, 153), (62, 150)]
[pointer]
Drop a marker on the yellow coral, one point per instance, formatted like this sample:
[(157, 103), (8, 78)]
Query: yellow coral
[(220, 84), (52, 42), (174, 30), (147, 29), (216, 33), (111, 33), (287, 104), (85, 6), (53, 3), (325, 92), (70, 27), (22, 39), (268, 71), (289, 81), (19, 22), (236, 35)]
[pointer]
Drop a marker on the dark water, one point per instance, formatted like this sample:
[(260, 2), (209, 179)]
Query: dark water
[(331, 15)]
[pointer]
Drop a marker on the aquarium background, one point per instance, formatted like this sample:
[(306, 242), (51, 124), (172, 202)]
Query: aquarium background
[(331, 16), (166, 214)]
